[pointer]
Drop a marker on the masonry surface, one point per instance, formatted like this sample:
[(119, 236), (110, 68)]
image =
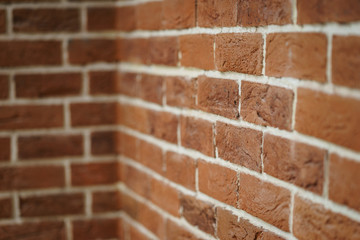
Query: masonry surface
[(179, 119)]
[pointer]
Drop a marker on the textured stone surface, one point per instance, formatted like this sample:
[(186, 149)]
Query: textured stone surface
[(217, 13), (266, 105), (239, 145), (180, 92), (181, 169), (294, 162)]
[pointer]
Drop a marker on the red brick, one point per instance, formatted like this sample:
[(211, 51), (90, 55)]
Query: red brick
[(5, 151), (138, 181), (329, 117), (218, 96), (31, 177), (128, 145), (87, 114), (319, 11), (94, 173), (86, 51), (134, 117), (17, 53), (52, 205), (163, 50), (178, 14), (313, 221), (197, 134), (111, 18), (149, 16), (345, 61), (175, 232), (2, 21), (4, 87), (239, 145), (163, 125), (198, 213), (108, 201), (297, 55), (344, 178), (265, 201), (5, 208), (294, 162), (150, 156), (104, 82), (239, 52), (35, 230), (104, 143), (129, 83), (136, 234), (180, 92), (46, 20), (31, 116), (218, 182), (95, 229), (217, 13), (264, 12), (165, 196), (50, 146), (48, 85), (137, 50), (197, 50), (180, 169), (151, 89), (266, 105)]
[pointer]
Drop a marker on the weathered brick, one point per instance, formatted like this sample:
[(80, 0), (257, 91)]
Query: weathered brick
[(105, 201), (165, 196), (87, 114), (180, 92), (149, 16), (175, 232), (35, 230), (4, 86), (239, 145), (178, 14), (95, 229), (164, 50), (134, 117), (163, 125), (329, 117), (2, 21), (136, 234), (266, 105), (104, 82), (217, 13), (137, 181), (151, 88), (5, 151), (150, 155), (5, 208), (180, 169), (83, 174), (137, 50), (129, 83), (128, 145), (297, 55), (104, 142)]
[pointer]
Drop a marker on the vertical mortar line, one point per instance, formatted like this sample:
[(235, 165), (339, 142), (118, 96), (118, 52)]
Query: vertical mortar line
[(214, 141), (12, 87), (294, 11), (264, 53), (329, 37), (68, 227), (85, 83), (88, 203), (237, 190), (197, 176), (83, 18), (9, 21), (67, 168), (291, 216), (67, 115), (87, 145), (326, 175), (179, 131), (65, 56), (14, 148), (294, 109), (239, 99), (164, 93), (262, 151), (16, 206)]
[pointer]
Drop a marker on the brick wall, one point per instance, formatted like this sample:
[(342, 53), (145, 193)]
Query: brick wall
[(179, 119)]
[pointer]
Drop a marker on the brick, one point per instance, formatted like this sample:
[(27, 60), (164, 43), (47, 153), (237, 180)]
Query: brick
[(198, 213), (151, 89), (329, 117), (241, 146), (218, 96), (165, 196), (345, 61), (87, 114), (163, 50), (2, 21), (134, 117), (104, 142), (35, 230), (4, 87), (52, 205), (108, 201), (175, 232), (46, 20), (344, 179), (104, 82), (218, 182), (266, 105), (137, 50), (95, 229), (150, 156), (48, 85), (163, 125), (138, 181), (111, 18), (294, 162), (31, 116), (181, 169), (313, 221), (197, 134), (230, 227), (17, 53), (261, 13), (319, 11), (23, 1), (239, 52), (94, 173), (128, 145), (5, 208), (129, 83), (145, 17), (297, 55), (217, 13), (86, 51), (50, 146), (265, 201), (31, 177), (178, 14), (181, 92), (5, 151), (136, 234), (197, 50)]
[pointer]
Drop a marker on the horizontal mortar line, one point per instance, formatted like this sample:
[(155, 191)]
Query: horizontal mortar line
[(66, 4), (294, 135), (97, 66), (261, 176), (60, 36), (138, 226)]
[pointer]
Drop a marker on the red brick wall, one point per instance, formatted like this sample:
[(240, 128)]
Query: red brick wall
[(179, 119)]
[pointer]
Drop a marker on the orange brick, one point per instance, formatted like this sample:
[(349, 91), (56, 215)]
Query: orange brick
[(181, 169)]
